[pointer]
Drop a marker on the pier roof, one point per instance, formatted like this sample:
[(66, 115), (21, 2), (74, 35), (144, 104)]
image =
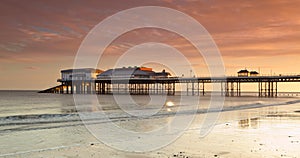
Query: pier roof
[(132, 72), (81, 70), (243, 71)]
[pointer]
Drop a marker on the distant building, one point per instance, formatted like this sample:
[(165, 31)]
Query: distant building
[(243, 73), (133, 72), (162, 74), (246, 73), (79, 74), (254, 73)]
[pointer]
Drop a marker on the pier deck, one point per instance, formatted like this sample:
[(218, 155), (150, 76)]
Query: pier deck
[(267, 86)]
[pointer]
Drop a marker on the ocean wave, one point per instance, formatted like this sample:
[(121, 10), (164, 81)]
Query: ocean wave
[(207, 110), (46, 121), (35, 116)]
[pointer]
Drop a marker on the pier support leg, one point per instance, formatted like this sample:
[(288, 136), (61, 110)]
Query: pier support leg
[(72, 88), (227, 89), (187, 88), (259, 92), (203, 89), (174, 90), (198, 88), (61, 89), (276, 91), (193, 88), (67, 86)]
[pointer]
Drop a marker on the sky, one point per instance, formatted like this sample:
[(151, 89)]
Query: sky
[(39, 38)]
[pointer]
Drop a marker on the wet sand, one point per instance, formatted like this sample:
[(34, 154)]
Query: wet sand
[(271, 131)]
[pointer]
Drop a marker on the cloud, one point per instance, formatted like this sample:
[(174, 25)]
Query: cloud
[(64, 28), (32, 68), (50, 32), (41, 36), (13, 46)]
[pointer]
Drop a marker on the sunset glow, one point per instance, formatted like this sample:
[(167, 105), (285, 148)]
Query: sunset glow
[(41, 38)]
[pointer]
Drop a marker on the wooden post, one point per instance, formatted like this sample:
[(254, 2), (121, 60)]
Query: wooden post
[(259, 92), (276, 90), (203, 89), (187, 88), (192, 87), (198, 88)]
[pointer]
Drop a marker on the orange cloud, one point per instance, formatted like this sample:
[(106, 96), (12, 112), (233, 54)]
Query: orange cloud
[(49, 33)]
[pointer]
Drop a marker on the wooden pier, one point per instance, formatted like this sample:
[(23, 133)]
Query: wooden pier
[(267, 86)]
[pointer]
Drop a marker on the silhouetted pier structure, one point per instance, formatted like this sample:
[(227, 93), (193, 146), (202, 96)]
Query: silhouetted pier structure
[(267, 86)]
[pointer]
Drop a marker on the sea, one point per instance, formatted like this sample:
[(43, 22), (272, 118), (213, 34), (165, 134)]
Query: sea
[(33, 122)]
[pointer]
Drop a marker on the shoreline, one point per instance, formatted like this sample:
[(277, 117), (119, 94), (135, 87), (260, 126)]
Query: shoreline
[(238, 133), (43, 125), (223, 141)]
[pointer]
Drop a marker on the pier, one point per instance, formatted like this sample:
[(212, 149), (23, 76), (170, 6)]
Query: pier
[(267, 86)]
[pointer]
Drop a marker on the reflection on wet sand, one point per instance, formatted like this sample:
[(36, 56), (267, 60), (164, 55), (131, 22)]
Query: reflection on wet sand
[(249, 123), (266, 128), (144, 125)]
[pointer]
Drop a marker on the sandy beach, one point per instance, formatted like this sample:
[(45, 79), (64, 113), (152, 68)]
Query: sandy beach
[(263, 130), (150, 79)]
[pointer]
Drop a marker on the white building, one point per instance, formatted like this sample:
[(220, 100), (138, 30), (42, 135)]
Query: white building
[(133, 72), (80, 74)]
